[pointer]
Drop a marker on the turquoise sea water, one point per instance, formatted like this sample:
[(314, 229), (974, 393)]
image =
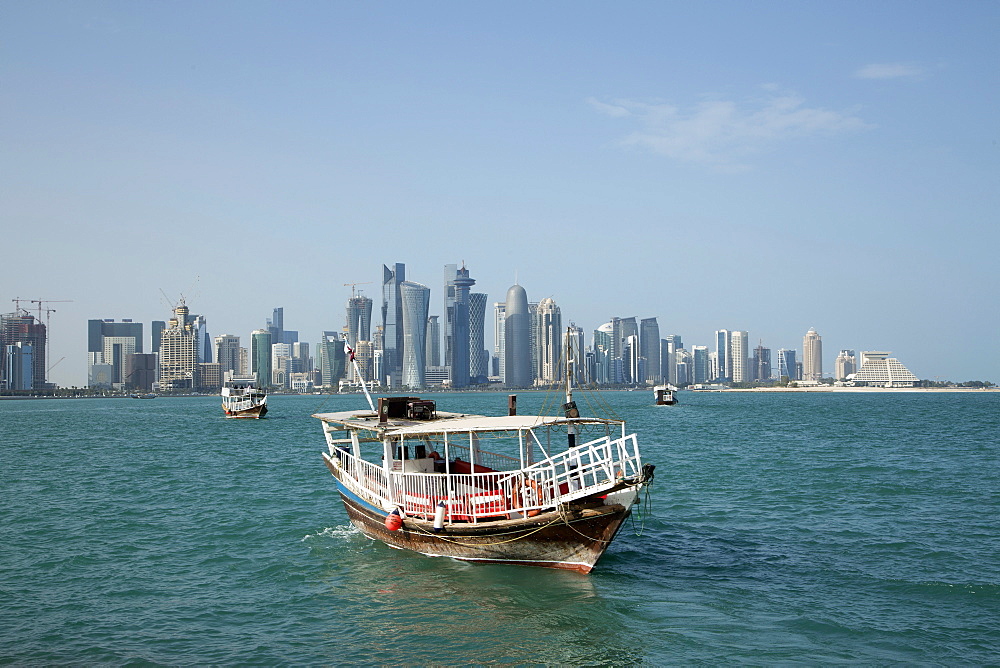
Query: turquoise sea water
[(788, 528)]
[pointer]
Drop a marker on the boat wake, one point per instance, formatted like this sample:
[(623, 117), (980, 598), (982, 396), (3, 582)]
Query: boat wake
[(344, 531)]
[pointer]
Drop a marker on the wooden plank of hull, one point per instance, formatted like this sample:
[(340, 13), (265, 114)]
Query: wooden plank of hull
[(548, 540)]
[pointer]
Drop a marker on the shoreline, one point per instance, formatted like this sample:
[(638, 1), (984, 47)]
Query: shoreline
[(830, 388), (821, 389)]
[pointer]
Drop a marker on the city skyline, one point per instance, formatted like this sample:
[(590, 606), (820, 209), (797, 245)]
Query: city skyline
[(352, 323), (842, 177), (637, 348)]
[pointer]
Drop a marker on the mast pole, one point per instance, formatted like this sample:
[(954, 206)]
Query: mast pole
[(357, 370), (570, 405)]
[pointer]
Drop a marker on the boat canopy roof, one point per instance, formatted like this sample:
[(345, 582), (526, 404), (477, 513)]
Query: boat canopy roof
[(451, 423)]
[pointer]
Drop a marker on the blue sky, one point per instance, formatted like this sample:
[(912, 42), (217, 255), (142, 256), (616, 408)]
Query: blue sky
[(770, 166)]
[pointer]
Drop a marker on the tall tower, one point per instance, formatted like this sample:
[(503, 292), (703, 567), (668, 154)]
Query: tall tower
[(550, 340), (739, 356), (602, 353), (573, 342), (433, 340), (260, 356), (179, 351), (699, 362), (723, 339), (517, 338), (359, 320), (276, 325), (227, 354), (761, 363), (649, 348), (499, 331), (392, 324), (812, 356), (787, 365), (416, 301), (479, 358), (457, 335)]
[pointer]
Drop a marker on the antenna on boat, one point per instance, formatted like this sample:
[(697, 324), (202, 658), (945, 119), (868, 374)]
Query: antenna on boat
[(350, 354)]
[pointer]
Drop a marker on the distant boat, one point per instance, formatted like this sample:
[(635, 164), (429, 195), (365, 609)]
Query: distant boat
[(664, 395), (148, 395), (241, 398), (550, 491)]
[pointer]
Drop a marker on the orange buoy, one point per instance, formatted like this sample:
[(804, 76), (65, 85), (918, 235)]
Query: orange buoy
[(393, 521)]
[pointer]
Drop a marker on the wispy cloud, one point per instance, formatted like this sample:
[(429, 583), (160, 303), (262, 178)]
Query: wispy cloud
[(889, 71), (723, 133)]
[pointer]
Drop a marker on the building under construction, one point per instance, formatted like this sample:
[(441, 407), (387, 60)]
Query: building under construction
[(22, 343)]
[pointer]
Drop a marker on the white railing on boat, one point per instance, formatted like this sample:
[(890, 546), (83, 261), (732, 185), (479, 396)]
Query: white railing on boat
[(581, 471)]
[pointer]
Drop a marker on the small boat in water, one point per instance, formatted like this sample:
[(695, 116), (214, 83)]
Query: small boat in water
[(664, 395), (241, 398), (148, 395), (535, 490)]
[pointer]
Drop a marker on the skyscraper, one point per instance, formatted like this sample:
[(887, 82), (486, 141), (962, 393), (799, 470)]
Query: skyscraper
[(761, 367), (669, 346), (622, 329), (331, 359), (479, 357), (739, 356), (575, 345), (179, 351), (276, 325), (517, 339), (204, 340), (227, 354), (602, 353), (787, 366), (812, 356), (499, 319), (359, 319), (260, 356), (723, 340), (416, 301), (457, 333), (699, 363), (649, 345), (433, 341), (550, 338), (392, 324)]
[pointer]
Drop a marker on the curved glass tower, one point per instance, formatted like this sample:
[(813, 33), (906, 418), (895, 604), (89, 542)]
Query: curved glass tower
[(416, 301), (517, 339)]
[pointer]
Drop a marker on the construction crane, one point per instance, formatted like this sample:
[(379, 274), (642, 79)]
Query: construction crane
[(353, 291), (48, 311)]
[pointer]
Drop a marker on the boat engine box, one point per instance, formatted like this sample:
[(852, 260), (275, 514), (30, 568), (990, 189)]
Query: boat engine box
[(421, 410)]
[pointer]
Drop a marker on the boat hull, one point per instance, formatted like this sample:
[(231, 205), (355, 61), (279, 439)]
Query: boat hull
[(571, 540), (258, 411)]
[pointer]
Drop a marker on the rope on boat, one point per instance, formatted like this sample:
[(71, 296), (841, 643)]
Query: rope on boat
[(562, 516), (423, 531), (644, 510)]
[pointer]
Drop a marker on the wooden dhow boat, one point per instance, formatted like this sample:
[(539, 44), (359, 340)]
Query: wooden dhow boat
[(241, 398), (535, 490)]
